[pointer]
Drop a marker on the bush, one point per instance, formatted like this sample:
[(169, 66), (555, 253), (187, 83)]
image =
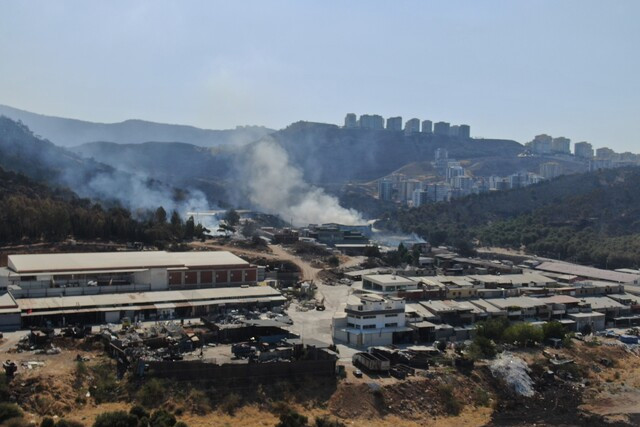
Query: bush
[(482, 348), (105, 382), (116, 419), (152, 393), (333, 261), (69, 423), (47, 422), (553, 330), (325, 421), (139, 412), (522, 334), (451, 405), (162, 418), (5, 393), (198, 402), (492, 329), (9, 410), (481, 397), (17, 422), (292, 419), (181, 424), (230, 403)]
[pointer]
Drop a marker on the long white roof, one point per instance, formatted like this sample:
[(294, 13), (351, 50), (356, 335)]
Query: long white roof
[(121, 301), (69, 262), (588, 272)]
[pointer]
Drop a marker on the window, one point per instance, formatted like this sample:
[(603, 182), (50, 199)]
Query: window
[(390, 315), (390, 325), (360, 308), (369, 327), (368, 317)]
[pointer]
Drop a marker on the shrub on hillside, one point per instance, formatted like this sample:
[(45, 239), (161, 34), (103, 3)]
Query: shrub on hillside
[(9, 410), (116, 419)]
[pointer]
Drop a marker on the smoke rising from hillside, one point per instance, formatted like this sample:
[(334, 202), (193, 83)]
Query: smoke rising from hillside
[(138, 193), (275, 186)]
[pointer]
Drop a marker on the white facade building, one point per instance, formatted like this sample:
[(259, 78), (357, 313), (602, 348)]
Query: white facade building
[(370, 320)]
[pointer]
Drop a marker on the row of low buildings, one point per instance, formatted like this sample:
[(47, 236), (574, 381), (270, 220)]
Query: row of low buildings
[(412, 126), (392, 309), (66, 288)]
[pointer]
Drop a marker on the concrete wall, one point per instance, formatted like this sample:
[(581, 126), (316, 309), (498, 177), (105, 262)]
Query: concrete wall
[(10, 322), (249, 372)]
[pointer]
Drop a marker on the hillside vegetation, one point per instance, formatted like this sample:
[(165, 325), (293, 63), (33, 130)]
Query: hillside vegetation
[(591, 218), (32, 212)]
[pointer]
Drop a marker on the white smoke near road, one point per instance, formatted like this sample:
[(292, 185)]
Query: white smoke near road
[(276, 186)]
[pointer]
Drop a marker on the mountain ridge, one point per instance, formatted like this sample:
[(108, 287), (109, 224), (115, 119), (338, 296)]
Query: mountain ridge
[(69, 132)]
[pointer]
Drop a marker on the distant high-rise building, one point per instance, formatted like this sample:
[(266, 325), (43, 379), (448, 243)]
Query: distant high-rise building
[(561, 145), (412, 126), (441, 154), (394, 123), (605, 153), (541, 144), (584, 150), (420, 197), (406, 189), (371, 121), (464, 132), (438, 192), (350, 121), (427, 126), (385, 190), (441, 128), (550, 170), (454, 170), (453, 131)]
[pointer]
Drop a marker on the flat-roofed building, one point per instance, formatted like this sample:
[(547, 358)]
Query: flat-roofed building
[(511, 280), (41, 275), (522, 307), (371, 319), (592, 321), (589, 272), (111, 308), (387, 284)]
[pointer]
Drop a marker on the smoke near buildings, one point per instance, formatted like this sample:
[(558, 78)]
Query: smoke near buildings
[(275, 186)]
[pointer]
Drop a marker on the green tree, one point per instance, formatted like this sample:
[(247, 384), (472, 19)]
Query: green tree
[(522, 334), (232, 218), (160, 216), (553, 330)]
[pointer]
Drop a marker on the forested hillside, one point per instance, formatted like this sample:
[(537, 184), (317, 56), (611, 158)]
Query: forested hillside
[(591, 218), (31, 212)]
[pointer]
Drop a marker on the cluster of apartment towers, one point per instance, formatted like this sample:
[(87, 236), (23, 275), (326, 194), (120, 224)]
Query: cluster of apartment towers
[(412, 126), (456, 182)]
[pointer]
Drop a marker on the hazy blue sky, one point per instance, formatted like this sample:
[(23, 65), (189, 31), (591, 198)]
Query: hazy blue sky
[(509, 69)]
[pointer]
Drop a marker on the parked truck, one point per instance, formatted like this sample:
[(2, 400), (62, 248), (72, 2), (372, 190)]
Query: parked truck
[(371, 362)]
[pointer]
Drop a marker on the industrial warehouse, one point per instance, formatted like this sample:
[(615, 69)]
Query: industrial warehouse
[(107, 287)]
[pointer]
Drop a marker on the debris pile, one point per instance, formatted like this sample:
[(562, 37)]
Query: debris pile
[(515, 372)]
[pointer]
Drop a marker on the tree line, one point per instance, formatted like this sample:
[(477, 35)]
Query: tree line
[(31, 211), (591, 218)]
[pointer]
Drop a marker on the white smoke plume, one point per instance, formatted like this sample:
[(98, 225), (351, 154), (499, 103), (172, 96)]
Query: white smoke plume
[(276, 186), (136, 193)]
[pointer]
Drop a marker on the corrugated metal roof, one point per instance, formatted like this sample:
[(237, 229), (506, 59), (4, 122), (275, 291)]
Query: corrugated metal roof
[(143, 298), (72, 262), (589, 272)]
